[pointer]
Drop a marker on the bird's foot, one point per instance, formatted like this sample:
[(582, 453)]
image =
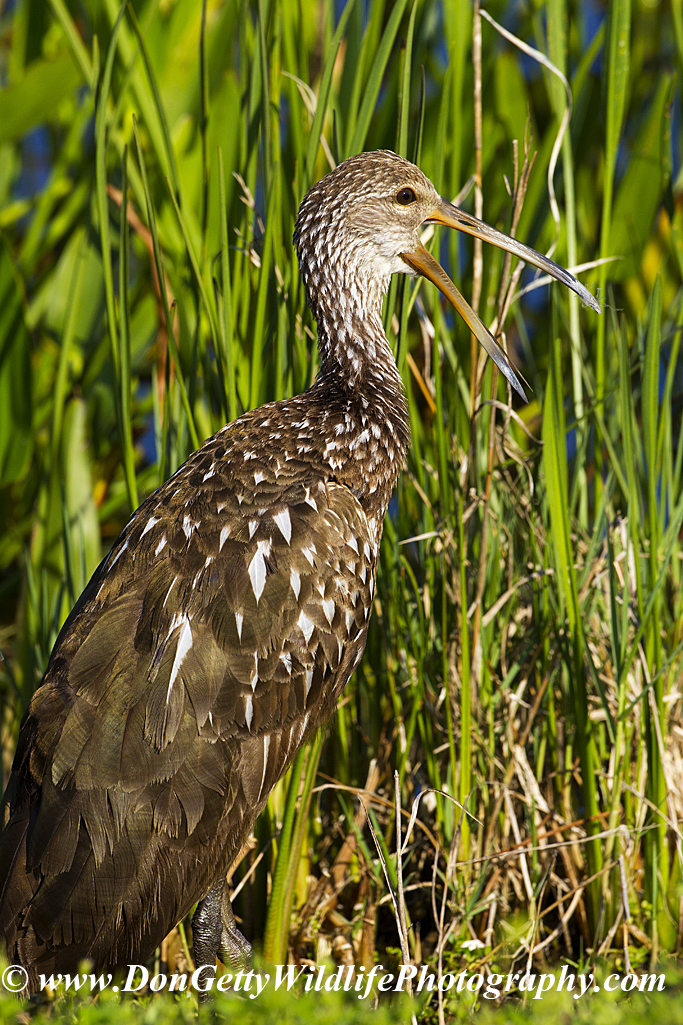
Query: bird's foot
[(215, 933)]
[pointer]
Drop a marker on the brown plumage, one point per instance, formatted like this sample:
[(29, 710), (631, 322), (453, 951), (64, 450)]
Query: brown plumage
[(218, 634)]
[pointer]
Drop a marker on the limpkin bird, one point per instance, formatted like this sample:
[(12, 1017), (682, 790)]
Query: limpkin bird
[(222, 627)]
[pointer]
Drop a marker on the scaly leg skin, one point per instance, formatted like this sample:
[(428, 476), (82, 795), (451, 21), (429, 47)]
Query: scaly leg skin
[(215, 933)]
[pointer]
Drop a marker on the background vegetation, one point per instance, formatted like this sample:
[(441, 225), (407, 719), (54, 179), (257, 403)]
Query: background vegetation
[(524, 657)]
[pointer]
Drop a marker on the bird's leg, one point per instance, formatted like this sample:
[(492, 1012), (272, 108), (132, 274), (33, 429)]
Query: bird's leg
[(215, 932)]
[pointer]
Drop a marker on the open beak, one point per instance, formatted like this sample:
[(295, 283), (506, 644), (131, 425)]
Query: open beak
[(422, 262)]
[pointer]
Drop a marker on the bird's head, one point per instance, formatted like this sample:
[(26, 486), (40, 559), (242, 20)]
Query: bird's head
[(368, 211), (362, 223)]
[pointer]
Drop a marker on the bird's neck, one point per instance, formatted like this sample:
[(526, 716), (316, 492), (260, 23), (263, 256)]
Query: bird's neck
[(361, 391)]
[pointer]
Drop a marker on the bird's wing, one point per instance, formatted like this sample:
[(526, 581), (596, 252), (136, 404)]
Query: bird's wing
[(197, 662)]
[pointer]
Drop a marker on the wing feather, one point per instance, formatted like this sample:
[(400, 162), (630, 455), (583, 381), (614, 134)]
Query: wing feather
[(158, 734)]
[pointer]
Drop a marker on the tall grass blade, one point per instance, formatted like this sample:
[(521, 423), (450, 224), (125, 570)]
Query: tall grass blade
[(554, 463), (374, 81), (617, 57), (323, 95)]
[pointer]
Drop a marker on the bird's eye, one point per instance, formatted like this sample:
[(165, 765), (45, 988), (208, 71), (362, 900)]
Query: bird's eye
[(406, 196)]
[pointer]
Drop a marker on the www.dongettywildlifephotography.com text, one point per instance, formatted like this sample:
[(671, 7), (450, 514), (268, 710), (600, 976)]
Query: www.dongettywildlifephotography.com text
[(489, 986)]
